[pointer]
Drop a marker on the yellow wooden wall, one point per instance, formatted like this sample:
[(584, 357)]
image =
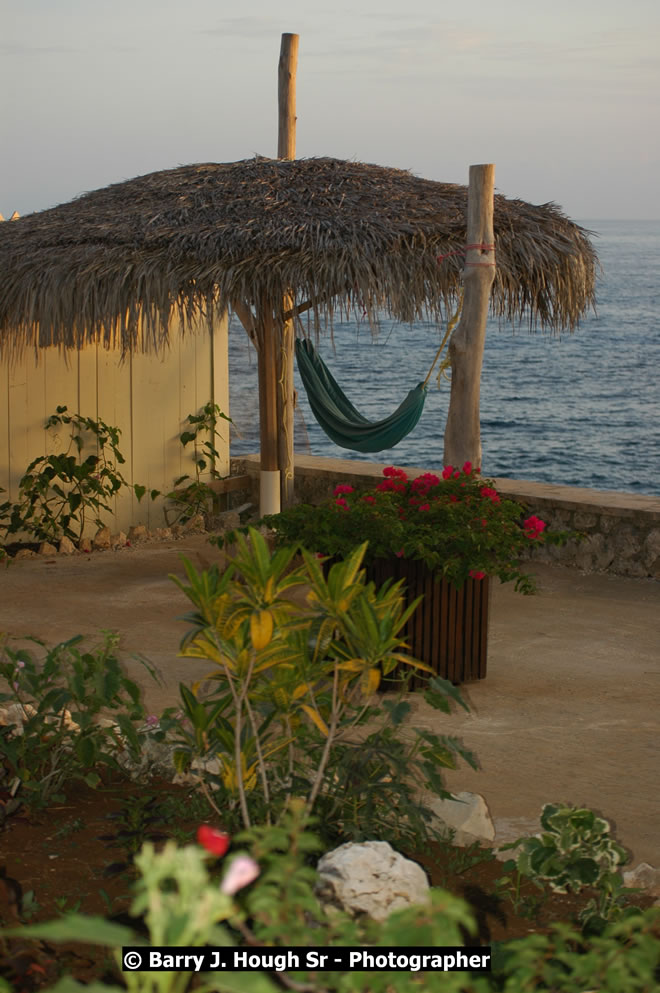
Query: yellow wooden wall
[(148, 397)]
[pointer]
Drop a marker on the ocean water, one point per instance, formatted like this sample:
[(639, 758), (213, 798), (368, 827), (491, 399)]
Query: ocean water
[(580, 409)]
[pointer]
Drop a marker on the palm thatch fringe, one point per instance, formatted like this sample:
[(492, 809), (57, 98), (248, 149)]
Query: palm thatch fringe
[(117, 264)]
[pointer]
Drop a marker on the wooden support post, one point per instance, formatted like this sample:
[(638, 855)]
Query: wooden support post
[(269, 502), (466, 348), (286, 149), (286, 97)]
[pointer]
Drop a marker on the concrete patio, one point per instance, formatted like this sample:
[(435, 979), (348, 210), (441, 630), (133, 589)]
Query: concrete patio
[(569, 711)]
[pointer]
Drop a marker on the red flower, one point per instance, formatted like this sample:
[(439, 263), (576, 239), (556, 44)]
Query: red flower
[(395, 473), (399, 554), (448, 472), (488, 493), (475, 574), (369, 499), (534, 527), (342, 488), (214, 841), (467, 468), (424, 506), (341, 503)]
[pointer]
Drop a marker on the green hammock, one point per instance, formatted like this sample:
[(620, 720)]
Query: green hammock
[(338, 417)]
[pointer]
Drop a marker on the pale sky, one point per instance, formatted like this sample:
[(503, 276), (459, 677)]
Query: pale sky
[(562, 96)]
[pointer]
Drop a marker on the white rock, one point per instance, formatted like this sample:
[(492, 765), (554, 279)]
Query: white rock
[(67, 547), (370, 878), (47, 549), (162, 534), (102, 539), (467, 816), (195, 524), (16, 714), (645, 877), (118, 540), (85, 544), (137, 533), (25, 553)]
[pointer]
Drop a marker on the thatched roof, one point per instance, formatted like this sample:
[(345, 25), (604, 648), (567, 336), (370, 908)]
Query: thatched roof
[(116, 264)]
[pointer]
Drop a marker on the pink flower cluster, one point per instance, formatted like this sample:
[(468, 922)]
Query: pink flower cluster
[(534, 527), (488, 493), (449, 471), (395, 480), (339, 492)]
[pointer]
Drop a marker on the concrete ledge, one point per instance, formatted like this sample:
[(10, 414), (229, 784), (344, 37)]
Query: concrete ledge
[(621, 531)]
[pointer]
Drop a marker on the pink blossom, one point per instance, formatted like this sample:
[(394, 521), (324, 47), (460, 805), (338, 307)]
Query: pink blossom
[(343, 488), (242, 871)]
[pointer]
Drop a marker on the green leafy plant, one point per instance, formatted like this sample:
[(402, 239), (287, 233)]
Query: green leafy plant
[(265, 894), (292, 691), (458, 525), (53, 707), (576, 851), (60, 493), (197, 496)]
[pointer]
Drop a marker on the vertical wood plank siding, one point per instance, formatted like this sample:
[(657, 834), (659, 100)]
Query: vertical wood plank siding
[(146, 396), (449, 629)]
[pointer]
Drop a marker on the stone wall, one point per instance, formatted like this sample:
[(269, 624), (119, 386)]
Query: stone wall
[(621, 531)]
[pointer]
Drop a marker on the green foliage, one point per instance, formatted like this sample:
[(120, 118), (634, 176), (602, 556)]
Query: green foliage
[(59, 493), (54, 704), (183, 904), (459, 526), (624, 957), (196, 496), (290, 711), (576, 851)]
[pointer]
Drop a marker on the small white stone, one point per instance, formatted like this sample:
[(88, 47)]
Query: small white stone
[(137, 533), (67, 547), (645, 877), (102, 539), (467, 816)]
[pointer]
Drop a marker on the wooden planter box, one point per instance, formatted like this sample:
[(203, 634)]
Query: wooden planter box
[(449, 629)]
